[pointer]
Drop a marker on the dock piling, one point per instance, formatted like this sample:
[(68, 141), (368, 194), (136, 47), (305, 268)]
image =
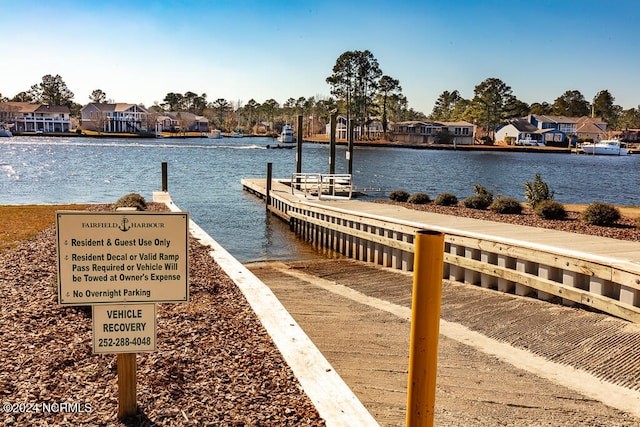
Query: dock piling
[(298, 151), (164, 177), (350, 146), (268, 195)]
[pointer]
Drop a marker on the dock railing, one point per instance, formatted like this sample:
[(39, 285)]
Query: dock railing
[(322, 186)]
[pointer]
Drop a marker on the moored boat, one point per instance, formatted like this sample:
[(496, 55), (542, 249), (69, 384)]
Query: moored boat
[(278, 146), (530, 142), (215, 134), (607, 147), (4, 131), (287, 134)]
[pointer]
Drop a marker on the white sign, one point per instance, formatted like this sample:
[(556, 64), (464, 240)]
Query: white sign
[(117, 257), (124, 328)]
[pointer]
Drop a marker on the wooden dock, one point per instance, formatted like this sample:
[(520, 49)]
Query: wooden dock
[(597, 272)]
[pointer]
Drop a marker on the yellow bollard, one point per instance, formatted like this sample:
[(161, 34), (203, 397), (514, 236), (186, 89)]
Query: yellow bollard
[(425, 327)]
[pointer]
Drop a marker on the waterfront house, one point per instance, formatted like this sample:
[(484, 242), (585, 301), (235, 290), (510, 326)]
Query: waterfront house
[(182, 121), (39, 118), (371, 131), (555, 129), (423, 132), (552, 130), (261, 128), (630, 135), (114, 118), (518, 130), (592, 128)]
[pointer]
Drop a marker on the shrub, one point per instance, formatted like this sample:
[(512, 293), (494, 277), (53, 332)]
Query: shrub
[(481, 191), (537, 191), (399, 196), (506, 205), (481, 200), (598, 213), (550, 209), (477, 202), (419, 199), (446, 199), (131, 200)]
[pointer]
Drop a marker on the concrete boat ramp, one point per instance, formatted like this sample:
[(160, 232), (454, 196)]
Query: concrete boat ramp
[(503, 359), (509, 360)]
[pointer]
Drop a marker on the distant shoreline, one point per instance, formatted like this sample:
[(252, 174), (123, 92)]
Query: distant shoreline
[(325, 141), (463, 147)]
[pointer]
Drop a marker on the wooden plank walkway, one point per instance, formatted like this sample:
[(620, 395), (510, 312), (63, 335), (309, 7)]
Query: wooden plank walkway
[(503, 359)]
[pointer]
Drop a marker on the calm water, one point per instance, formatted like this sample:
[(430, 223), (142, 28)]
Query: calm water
[(204, 178)]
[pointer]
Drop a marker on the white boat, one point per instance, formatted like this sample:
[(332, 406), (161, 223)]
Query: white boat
[(5, 132), (287, 134), (530, 142), (610, 147), (237, 134), (215, 134)]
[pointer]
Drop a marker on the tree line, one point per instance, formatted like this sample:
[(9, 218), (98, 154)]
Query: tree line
[(494, 104), (361, 91), (356, 75)]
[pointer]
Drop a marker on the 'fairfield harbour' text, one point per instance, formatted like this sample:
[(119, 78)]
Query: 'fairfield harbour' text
[(131, 224)]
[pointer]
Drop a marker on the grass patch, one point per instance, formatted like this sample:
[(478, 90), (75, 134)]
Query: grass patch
[(23, 222)]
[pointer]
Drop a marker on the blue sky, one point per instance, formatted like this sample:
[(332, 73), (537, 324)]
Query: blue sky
[(138, 51)]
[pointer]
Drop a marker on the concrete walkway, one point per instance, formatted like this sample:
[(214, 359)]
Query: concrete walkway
[(503, 359)]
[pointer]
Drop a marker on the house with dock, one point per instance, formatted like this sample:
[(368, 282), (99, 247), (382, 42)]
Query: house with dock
[(593, 128), (38, 118), (537, 129), (372, 130), (181, 121), (425, 132), (117, 118)]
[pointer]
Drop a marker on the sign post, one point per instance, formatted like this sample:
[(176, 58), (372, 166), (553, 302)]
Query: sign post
[(127, 402), (122, 264)]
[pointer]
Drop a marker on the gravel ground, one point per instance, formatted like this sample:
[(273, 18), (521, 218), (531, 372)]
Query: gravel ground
[(624, 229), (215, 365)]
